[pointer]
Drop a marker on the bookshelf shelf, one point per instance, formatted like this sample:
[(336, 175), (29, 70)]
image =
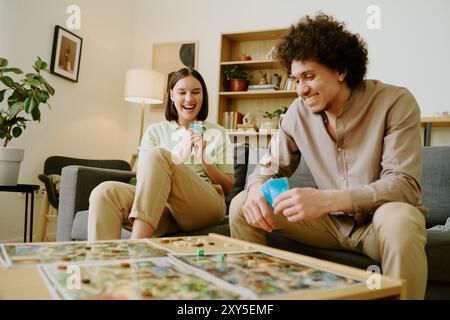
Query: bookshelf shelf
[(259, 94), (254, 64), (249, 133)]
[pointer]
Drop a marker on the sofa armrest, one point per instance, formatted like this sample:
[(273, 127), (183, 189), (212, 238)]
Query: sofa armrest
[(77, 182)]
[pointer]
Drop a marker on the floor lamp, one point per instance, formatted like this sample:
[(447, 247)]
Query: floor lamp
[(144, 86)]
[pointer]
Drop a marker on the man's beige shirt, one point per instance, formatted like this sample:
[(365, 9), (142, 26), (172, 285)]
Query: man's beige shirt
[(377, 156)]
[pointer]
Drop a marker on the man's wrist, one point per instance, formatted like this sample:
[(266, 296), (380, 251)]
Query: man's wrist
[(337, 200), (254, 185)]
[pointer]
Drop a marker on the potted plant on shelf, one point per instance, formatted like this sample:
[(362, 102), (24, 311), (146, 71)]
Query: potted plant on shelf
[(236, 79), (23, 101), (244, 57), (272, 117)]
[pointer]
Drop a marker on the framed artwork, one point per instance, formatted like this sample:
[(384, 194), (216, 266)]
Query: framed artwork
[(66, 54), (170, 57)]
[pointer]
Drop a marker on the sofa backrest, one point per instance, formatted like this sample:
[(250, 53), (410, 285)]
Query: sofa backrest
[(435, 180), (240, 170), (302, 177), (435, 184)]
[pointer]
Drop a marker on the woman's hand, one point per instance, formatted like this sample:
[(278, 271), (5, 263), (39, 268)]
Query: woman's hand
[(200, 149), (187, 145)]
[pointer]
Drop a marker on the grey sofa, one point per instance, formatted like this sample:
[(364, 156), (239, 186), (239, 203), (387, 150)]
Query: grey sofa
[(77, 182)]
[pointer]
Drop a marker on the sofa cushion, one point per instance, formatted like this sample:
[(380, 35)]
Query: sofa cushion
[(79, 227), (438, 254), (80, 223), (435, 184), (350, 258), (240, 170)]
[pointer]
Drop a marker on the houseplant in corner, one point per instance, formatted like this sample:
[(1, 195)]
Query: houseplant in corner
[(19, 100)]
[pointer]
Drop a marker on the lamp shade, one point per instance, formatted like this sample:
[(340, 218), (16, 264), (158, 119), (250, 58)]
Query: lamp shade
[(144, 86)]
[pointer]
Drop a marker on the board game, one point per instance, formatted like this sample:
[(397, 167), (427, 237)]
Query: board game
[(198, 267), (193, 244), (155, 278), (260, 274), (32, 254)]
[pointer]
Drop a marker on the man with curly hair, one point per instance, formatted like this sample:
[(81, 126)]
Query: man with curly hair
[(361, 140)]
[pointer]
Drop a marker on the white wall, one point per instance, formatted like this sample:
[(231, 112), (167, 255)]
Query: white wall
[(411, 49), (90, 119)]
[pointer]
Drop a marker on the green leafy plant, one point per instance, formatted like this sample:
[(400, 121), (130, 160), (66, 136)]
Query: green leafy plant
[(276, 113), (235, 72), (25, 97)]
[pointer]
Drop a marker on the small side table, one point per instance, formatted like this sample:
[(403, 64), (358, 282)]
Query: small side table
[(27, 189)]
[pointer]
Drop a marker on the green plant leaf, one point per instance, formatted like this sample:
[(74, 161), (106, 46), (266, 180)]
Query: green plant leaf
[(26, 104), (18, 88), (7, 81), (41, 65), (48, 87), (33, 105), (2, 95), (33, 82), (14, 70), (3, 62), (16, 132), (32, 75), (42, 96), (15, 109), (36, 114)]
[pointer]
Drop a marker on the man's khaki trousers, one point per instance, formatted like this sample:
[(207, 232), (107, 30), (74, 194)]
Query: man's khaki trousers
[(396, 237), (169, 196)]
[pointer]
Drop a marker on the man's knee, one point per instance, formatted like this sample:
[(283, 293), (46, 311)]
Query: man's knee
[(399, 220), (236, 205)]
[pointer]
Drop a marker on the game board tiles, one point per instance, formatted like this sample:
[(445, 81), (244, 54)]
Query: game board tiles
[(142, 269)]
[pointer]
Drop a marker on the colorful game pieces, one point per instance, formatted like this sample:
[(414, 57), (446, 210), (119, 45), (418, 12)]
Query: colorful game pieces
[(273, 188), (220, 258), (200, 253)]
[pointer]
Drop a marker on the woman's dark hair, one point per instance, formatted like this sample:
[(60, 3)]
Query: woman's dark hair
[(326, 41), (171, 111)]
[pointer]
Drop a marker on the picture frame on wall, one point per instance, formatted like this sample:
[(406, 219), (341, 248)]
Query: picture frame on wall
[(170, 57), (66, 54)]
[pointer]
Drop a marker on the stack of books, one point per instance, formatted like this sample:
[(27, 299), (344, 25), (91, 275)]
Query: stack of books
[(232, 119), (262, 87)]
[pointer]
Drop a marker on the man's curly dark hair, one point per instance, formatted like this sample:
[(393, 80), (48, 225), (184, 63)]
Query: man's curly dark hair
[(326, 41)]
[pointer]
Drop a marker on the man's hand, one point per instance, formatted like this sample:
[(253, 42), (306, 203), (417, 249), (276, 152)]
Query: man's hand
[(257, 211), (302, 203)]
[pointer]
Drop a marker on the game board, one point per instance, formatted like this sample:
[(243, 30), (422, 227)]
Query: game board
[(260, 274), (154, 278), (32, 254), (191, 245)]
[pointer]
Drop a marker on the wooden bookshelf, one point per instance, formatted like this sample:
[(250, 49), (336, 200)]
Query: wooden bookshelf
[(257, 44)]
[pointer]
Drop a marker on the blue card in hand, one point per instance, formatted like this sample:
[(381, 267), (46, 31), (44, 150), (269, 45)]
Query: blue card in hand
[(273, 188), (197, 127)]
